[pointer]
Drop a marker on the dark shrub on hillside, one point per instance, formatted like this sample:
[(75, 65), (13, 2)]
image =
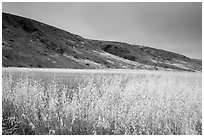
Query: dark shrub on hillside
[(118, 51), (130, 57), (28, 26), (60, 50)]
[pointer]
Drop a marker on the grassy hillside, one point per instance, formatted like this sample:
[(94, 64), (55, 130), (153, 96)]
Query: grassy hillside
[(29, 43)]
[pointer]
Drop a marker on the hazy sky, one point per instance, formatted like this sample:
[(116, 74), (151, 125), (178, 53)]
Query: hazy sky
[(175, 27)]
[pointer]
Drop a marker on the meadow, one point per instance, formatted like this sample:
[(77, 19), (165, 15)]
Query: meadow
[(85, 102)]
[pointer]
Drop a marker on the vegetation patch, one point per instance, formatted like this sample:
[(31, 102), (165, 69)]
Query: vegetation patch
[(47, 103)]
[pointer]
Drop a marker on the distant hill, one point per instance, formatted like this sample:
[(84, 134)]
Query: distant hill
[(29, 43)]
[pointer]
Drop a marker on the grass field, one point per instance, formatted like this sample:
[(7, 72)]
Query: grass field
[(38, 101)]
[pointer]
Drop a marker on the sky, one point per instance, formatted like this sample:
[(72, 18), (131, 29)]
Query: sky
[(175, 27)]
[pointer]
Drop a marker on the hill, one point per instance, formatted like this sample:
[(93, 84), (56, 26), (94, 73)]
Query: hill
[(29, 43)]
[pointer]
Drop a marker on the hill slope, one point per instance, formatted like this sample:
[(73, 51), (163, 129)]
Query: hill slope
[(29, 43)]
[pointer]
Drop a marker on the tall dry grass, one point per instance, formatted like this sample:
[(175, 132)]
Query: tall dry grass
[(103, 104)]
